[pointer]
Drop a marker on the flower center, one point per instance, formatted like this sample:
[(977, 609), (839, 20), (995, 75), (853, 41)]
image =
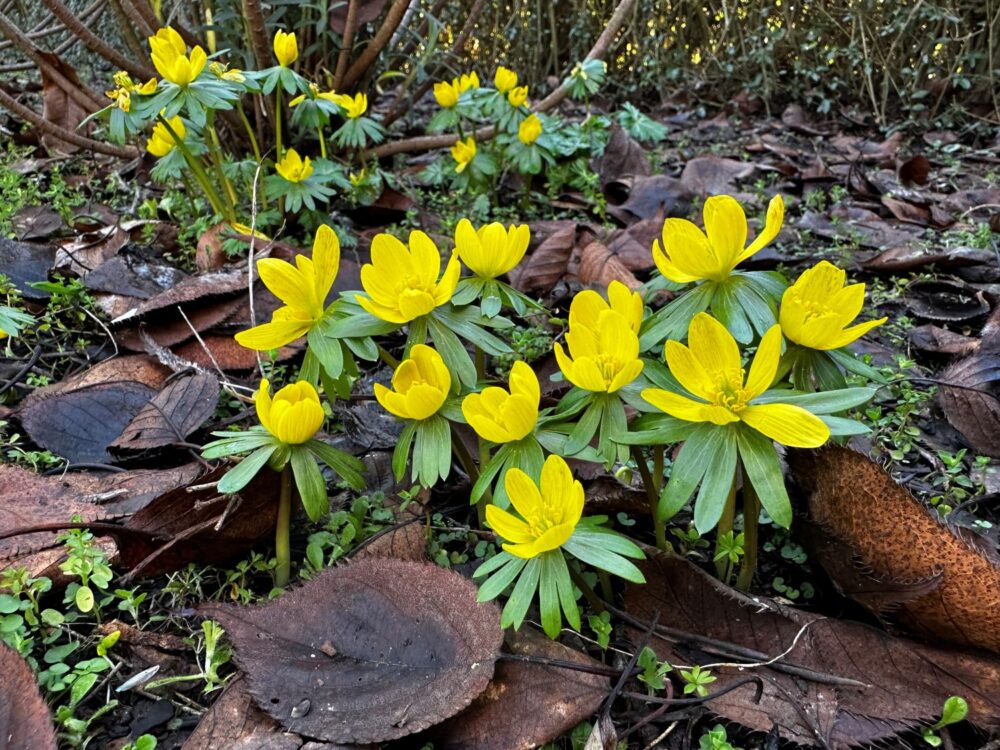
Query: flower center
[(609, 366), (548, 515), (730, 393), (813, 308)]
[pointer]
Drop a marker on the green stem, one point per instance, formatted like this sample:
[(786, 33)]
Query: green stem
[(751, 516), (658, 457), (277, 122), (725, 526), (605, 580), (282, 549), (246, 125), (322, 141), (588, 593), (469, 464), (215, 149), (196, 168), (480, 365), (387, 358), (652, 495)]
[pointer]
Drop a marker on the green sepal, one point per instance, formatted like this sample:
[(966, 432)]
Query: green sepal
[(672, 320), (240, 475), (310, 483), (344, 465)]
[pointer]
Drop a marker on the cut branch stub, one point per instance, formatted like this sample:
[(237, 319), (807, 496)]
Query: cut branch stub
[(369, 652)]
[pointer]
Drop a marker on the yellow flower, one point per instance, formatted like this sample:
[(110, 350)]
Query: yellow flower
[(160, 142), (295, 413), (504, 79), (550, 510), (602, 343), (710, 369), (689, 255), (245, 229), (517, 96), (587, 306), (816, 309), (353, 106), (467, 81), (420, 385), (463, 152), (446, 93), (529, 130), (501, 416), (294, 168), (302, 287), (402, 282), (224, 73), (170, 58), (286, 48), (122, 95), (358, 178), (491, 250)]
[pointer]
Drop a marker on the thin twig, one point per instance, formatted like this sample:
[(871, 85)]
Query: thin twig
[(94, 43), (370, 53), (347, 42)]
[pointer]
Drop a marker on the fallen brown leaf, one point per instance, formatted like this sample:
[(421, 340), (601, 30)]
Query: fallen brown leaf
[(172, 414), (24, 717), (970, 399), (599, 266)]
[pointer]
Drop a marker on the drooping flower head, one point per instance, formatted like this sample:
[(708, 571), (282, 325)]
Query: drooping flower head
[(302, 287), (286, 48), (420, 385), (529, 130), (816, 310), (504, 79), (293, 167), (602, 341), (688, 254), (353, 106), (161, 142), (402, 282), (550, 510), (463, 152), (170, 58), (711, 370), (293, 415), (502, 416), (492, 250), (517, 96)]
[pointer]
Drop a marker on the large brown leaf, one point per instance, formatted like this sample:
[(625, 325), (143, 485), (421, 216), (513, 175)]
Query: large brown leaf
[(970, 401), (172, 414), (896, 540), (58, 107), (368, 652), (831, 681), (24, 717)]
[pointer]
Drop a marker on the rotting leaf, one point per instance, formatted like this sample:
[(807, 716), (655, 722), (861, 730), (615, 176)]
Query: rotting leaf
[(649, 197), (969, 396), (897, 540), (831, 682), (24, 717), (714, 175), (548, 263), (172, 414), (526, 704), (936, 340), (24, 264), (622, 157), (80, 424), (58, 107), (944, 299), (598, 265), (409, 639)]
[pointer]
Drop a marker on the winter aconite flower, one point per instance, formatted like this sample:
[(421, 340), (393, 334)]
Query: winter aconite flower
[(816, 310), (504, 79), (420, 385), (549, 511), (446, 93), (492, 250), (294, 414), (529, 130), (170, 58), (402, 282), (711, 370), (463, 152), (468, 81), (161, 142), (353, 106), (224, 73), (517, 96), (293, 167), (122, 95), (302, 287), (688, 254), (505, 416), (603, 345), (588, 305), (286, 48)]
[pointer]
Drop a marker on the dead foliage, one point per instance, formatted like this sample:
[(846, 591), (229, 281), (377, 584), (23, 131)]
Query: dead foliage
[(24, 717)]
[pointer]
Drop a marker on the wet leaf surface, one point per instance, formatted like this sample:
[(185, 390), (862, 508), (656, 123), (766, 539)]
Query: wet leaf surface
[(24, 717), (372, 651)]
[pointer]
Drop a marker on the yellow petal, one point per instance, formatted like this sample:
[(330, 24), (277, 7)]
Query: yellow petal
[(262, 403), (853, 333), (553, 538), (587, 375), (273, 335), (713, 346), (627, 303), (391, 401), (518, 416), (524, 382), (326, 260), (426, 258), (523, 493), (772, 225), (469, 250), (787, 424), (446, 287), (688, 251), (285, 282), (687, 409), (423, 400), (508, 526), (726, 227), (689, 371), (388, 314), (765, 363)]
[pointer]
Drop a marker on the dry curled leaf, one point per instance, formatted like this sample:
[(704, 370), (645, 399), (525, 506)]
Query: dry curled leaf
[(24, 717), (371, 651), (599, 266), (969, 396), (172, 414), (952, 589)]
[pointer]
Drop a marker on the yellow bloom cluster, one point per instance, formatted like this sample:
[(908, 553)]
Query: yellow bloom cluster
[(463, 152), (447, 92), (502, 416), (293, 167), (491, 250), (122, 95), (286, 48), (353, 106), (529, 130), (171, 60)]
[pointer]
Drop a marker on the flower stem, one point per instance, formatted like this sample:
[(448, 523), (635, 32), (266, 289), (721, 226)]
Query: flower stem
[(387, 358), (282, 550), (196, 168), (588, 593), (322, 141), (480, 364), (277, 122), (469, 464), (215, 149), (246, 124), (751, 515), (658, 456), (653, 495), (726, 525)]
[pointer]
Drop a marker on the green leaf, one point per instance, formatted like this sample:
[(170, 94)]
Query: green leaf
[(453, 353), (467, 290), (586, 426), (729, 312), (758, 310), (470, 330), (613, 422), (840, 427), (522, 595), (344, 465), (718, 481), (432, 450), (564, 586), (672, 320), (235, 442), (488, 471), (401, 453), (592, 553), (548, 595), (955, 710), (310, 483), (658, 429), (763, 468), (688, 469), (497, 583), (240, 475), (84, 599), (846, 359), (327, 350), (826, 402), (609, 540), (358, 325)]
